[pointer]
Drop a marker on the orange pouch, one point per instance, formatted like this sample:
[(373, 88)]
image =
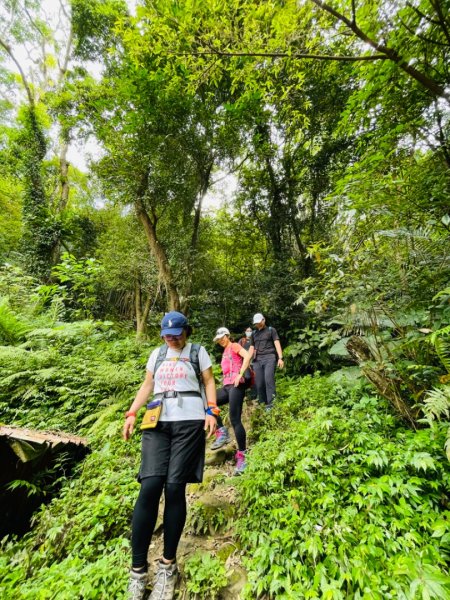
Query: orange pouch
[(152, 414)]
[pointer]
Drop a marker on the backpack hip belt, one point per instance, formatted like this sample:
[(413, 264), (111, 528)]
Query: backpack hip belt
[(174, 394), (179, 395)]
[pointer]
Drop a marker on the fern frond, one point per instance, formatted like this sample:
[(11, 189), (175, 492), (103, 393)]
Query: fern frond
[(445, 292), (363, 320), (14, 357), (437, 403), (15, 378), (443, 351), (12, 329), (102, 417), (441, 341), (444, 331), (447, 445)]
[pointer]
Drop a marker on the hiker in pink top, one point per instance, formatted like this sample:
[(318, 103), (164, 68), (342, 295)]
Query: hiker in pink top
[(235, 360)]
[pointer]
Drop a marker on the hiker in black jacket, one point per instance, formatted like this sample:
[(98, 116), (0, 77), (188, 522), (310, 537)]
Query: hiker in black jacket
[(267, 354)]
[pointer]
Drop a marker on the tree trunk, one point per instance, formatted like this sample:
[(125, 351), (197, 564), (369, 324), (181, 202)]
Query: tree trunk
[(64, 137), (277, 212), (205, 177), (63, 176), (162, 262), (141, 313), (387, 386), (204, 186)]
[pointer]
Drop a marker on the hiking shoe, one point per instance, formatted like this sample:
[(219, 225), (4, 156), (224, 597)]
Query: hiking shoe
[(240, 463), (137, 585), (222, 438), (165, 582)]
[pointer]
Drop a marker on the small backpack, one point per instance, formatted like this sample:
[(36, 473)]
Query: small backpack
[(249, 374)]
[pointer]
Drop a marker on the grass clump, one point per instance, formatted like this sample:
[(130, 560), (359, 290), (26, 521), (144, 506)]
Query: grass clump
[(206, 576)]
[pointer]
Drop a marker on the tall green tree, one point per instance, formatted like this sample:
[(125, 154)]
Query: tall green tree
[(38, 51), (162, 141), (23, 30)]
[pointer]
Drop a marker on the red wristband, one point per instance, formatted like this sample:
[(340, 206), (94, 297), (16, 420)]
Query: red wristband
[(130, 413)]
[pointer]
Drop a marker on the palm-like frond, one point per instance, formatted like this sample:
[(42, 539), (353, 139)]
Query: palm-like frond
[(101, 418), (12, 329), (441, 341), (359, 319), (447, 445), (445, 292), (436, 403)]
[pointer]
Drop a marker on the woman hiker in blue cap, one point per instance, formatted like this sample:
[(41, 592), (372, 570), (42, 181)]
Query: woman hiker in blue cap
[(173, 452)]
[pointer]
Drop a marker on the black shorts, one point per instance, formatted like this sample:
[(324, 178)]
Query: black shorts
[(174, 450)]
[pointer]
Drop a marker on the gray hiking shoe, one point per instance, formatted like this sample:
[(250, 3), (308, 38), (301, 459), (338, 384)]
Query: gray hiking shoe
[(136, 585), (165, 582), (222, 438)]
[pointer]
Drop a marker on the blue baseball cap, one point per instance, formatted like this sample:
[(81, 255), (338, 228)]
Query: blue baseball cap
[(173, 323)]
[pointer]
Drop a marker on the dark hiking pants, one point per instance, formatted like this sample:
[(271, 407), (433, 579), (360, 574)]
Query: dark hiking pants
[(264, 367)]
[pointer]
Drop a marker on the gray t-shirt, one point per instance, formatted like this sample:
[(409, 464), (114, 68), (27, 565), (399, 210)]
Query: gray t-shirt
[(177, 374)]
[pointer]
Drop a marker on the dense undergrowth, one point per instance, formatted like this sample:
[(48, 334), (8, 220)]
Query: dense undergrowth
[(78, 378), (340, 499)]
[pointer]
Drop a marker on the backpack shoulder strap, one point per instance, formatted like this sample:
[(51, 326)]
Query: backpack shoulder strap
[(194, 360), (161, 357)]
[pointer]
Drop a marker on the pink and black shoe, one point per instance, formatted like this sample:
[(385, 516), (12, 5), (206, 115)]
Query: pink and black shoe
[(240, 463)]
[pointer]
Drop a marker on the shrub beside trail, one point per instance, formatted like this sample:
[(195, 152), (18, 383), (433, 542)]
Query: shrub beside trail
[(341, 500)]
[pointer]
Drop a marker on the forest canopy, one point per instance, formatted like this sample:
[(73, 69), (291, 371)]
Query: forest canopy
[(223, 158)]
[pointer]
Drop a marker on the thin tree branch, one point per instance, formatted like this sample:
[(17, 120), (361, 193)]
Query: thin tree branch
[(236, 168), (283, 55), (422, 37), (442, 22), (65, 63), (32, 22), (430, 84), (421, 14), (44, 62), (63, 9), (10, 53)]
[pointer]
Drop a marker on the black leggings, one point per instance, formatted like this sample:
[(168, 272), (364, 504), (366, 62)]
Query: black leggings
[(234, 396), (146, 512)]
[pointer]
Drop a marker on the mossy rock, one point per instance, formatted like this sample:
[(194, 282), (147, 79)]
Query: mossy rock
[(237, 578), (219, 457), (225, 551), (210, 478), (211, 512)]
